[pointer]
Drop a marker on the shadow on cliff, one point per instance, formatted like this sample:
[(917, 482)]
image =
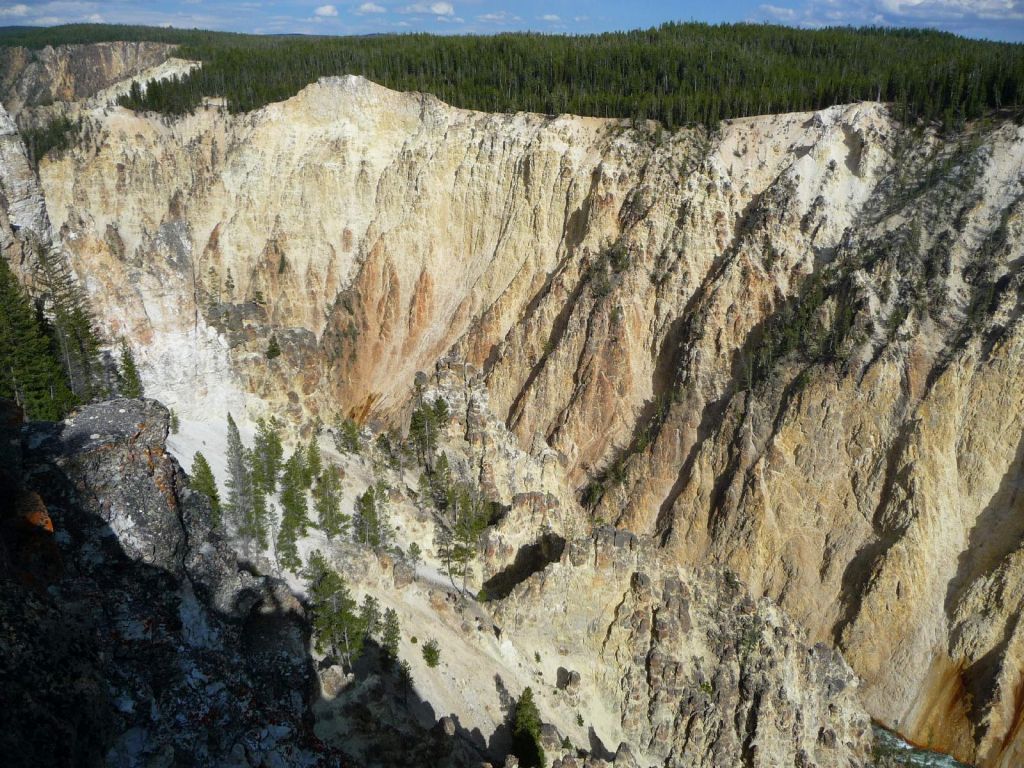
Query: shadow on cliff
[(111, 660), (995, 536), (406, 729), (105, 655)]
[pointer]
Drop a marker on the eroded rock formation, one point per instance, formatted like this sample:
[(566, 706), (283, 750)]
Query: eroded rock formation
[(792, 346), (695, 671), (71, 72)]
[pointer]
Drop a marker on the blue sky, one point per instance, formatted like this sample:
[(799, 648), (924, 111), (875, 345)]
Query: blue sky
[(995, 19)]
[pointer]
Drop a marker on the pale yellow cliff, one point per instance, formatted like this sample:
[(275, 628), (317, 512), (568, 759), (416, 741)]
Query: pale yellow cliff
[(792, 347)]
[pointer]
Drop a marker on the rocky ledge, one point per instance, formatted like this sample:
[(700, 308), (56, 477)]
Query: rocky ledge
[(129, 633)]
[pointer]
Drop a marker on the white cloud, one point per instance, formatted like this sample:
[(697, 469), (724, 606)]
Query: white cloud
[(778, 12), (370, 8), (501, 17), (326, 10), (15, 10), (552, 17), (438, 9), (945, 14)]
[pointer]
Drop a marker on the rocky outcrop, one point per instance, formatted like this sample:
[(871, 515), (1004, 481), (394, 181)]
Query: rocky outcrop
[(24, 224), (71, 72), (791, 346), (129, 634), (696, 671)]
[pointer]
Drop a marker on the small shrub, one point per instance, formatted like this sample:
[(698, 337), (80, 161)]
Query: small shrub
[(432, 653), (273, 349)]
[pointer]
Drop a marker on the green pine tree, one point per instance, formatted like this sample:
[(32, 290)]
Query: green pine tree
[(470, 523), (526, 744), (239, 508), (366, 521), (346, 436), (337, 628), (254, 527), (71, 322), (432, 653), (204, 482), (314, 462), (31, 373), (294, 508), (405, 678), (327, 502), (415, 556), (391, 635), (287, 545), (267, 455), (128, 376), (441, 481), (423, 433), (369, 615)]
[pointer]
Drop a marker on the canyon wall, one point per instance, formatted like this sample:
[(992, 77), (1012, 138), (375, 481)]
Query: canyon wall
[(31, 78), (791, 346)]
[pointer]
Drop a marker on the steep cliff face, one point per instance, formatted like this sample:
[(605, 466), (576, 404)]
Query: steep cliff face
[(792, 346), (695, 672), (71, 72), (24, 224), (130, 633)]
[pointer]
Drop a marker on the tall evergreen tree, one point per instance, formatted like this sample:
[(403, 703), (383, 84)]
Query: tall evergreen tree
[(423, 433), (267, 455), (447, 553), (471, 520), (405, 678), (128, 377), (441, 481), (31, 373), (526, 743), (314, 462), (287, 545), (369, 615), (337, 628), (391, 635), (366, 521), (204, 482), (254, 527), (415, 555), (72, 323), (327, 502), (239, 507), (294, 508)]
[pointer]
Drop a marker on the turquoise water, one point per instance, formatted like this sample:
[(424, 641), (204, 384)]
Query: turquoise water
[(899, 753)]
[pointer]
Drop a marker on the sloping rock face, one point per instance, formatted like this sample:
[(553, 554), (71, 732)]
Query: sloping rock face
[(129, 634), (792, 346), (71, 72), (24, 224), (698, 673)]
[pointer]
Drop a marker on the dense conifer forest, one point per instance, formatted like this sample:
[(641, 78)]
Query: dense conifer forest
[(677, 73)]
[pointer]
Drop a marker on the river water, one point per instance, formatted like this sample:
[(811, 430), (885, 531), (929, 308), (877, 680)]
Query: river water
[(896, 753)]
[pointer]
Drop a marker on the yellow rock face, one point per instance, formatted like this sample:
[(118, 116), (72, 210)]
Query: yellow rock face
[(628, 298)]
